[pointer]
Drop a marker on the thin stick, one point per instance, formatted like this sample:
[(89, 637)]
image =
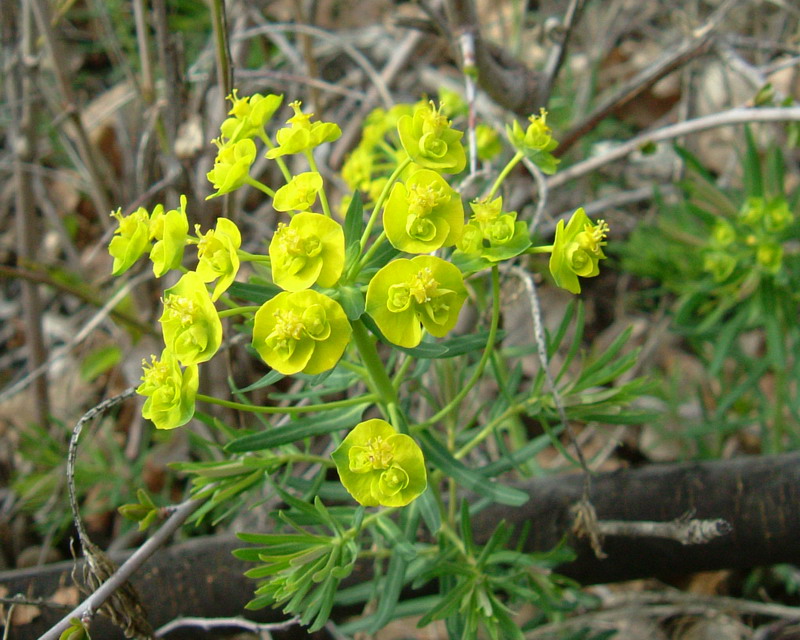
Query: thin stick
[(739, 115), (685, 531), (143, 46), (559, 51), (359, 58), (541, 350), (85, 331), (27, 225), (98, 188), (123, 574), (223, 54), (209, 624), (698, 44)]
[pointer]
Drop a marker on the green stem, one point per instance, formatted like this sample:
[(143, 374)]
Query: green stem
[(401, 372), (252, 257), (279, 161), (322, 197), (504, 173), (260, 186), (368, 255), (379, 380), (545, 248), (334, 404), (237, 311), (476, 375), (379, 202), (221, 42)]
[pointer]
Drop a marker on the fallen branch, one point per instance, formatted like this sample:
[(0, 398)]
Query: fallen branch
[(758, 495)]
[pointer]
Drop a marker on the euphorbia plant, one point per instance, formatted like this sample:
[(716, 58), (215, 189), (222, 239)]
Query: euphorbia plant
[(360, 313)]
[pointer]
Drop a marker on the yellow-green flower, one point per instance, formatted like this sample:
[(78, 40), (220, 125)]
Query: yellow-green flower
[(357, 168), (769, 256), (301, 331), (488, 142), (536, 142), (778, 215), (190, 323), (719, 264), (430, 142), (299, 194), (302, 134), (231, 166), (309, 250), (493, 234), (379, 466), (249, 114), (170, 391), (752, 211), (217, 251), (423, 214), (169, 230), (577, 250), (406, 295), (131, 239), (723, 234)]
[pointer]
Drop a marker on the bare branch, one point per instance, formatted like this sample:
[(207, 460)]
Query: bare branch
[(507, 80), (740, 115)]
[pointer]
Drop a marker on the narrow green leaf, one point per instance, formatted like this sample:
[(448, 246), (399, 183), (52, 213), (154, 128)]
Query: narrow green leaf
[(441, 458), (753, 179), (99, 361), (271, 378), (353, 228), (352, 301), (395, 538), (429, 510), (298, 429), (253, 292), (395, 574)]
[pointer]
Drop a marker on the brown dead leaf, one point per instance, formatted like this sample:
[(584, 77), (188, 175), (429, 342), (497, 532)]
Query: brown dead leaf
[(69, 596), (24, 614)]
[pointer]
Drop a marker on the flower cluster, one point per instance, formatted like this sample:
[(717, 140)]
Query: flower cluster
[(407, 295), (302, 134), (753, 239), (301, 331), (307, 251), (424, 214), (170, 391), (136, 232), (249, 116), (429, 140), (379, 466), (493, 234), (192, 334), (329, 275), (536, 142), (577, 250)]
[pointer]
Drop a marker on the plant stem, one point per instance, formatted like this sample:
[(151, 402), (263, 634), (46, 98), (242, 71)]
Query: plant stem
[(252, 257), (237, 311), (333, 404), (368, 255), (260, 186), (322, 197), (481, 363), (221, 43), (504, 174), (379, 380), (379, 202)]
